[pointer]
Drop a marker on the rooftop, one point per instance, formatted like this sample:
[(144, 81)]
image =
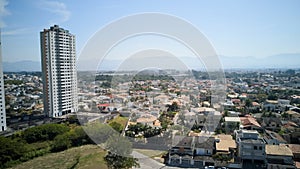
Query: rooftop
[(249, 131), (146, 118), (225, 142), (278, 150), (183, 141), (274, 135), (294, 147), (232, 119), (251, 141), (249, 120), (204, 142), (272, 101)]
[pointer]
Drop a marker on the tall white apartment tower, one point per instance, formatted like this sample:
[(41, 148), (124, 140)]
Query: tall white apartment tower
[(2, 95), (59, 71)]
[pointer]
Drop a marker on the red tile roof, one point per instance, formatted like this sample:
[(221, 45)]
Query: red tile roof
[(249, 120), (103, 105)]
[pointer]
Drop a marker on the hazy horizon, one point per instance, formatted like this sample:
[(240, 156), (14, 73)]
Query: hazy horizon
[(289, 61)]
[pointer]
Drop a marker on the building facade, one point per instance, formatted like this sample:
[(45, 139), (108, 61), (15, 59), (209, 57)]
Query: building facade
[(279, 156), (2, 95), (251, 148), (192, 152), (59, 71), (231, 124)]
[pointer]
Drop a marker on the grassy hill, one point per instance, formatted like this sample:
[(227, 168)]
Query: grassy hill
[(84, 157)]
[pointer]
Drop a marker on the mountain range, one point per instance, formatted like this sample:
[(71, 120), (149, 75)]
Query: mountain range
[(19, 66), (274, 61), (281, 61)]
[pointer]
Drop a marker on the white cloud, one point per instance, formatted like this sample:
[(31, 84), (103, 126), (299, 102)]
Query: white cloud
[(3, 12), (58, 8)]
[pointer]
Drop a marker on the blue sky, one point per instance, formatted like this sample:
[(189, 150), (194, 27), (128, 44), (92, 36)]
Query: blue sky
[(235, 28)]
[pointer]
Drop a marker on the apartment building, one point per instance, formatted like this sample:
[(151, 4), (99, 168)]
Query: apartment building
[(59, 71)]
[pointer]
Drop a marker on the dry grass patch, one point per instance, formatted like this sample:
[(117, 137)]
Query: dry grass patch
[(88, 156)]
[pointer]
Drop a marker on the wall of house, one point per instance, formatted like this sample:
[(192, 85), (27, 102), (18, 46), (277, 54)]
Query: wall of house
[(272, 166), (252, 151), (283, 160), (179, 150), (202, 151)]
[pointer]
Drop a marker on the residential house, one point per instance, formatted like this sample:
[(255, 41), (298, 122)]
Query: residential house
[(192, 151), (233, 114), (204, 146), (225, 145), (295, 148), (295, 99), (228, 105), (204, 149), (273, 138), (212, 121), (146, 119), (243, 96), (182, 151), (296, 109), (293, 116), (236, 102), (231, 124), (271, 123), (209, 118), (270, 105), (283, 104), (279, 156), (251, 148), (191, 118), (249, 123), (254, 107)]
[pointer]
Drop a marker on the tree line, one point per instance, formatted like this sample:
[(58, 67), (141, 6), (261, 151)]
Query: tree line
[(47, 138)]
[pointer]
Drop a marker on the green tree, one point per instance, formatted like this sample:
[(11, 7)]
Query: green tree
[(248, 103), (79, 137), (61, 142), (290, 72), (119, 153), (272, 96), (173, 107), (115, 161), (10, 150), (44, 132), (13, 82), (225, 113)]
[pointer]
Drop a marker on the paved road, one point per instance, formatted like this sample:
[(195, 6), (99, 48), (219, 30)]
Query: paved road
[(148, 163)]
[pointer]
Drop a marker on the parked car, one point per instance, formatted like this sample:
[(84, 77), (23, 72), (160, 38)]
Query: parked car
[(209, 167)]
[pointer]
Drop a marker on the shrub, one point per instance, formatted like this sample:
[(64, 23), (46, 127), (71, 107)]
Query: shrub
[(44, 132), (60, 143)]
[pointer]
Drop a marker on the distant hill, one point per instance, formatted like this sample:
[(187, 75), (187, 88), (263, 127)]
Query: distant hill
[(274, 61), (26, 65), (281, 61), (228, 62)]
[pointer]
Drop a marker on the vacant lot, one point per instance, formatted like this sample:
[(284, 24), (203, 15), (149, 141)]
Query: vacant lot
[(84, 157), (121, 120)]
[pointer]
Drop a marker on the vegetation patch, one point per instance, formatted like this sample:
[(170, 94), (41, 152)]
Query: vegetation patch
[(87, 156)]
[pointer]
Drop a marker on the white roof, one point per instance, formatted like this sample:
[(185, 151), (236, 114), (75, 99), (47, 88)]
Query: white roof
[(232, 119)]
